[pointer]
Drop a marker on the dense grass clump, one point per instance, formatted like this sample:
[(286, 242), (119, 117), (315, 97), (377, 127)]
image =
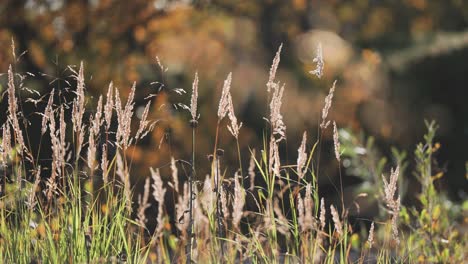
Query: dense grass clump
[(82, 207)]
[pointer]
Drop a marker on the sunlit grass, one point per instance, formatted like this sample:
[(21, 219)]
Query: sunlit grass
[(85, 210)]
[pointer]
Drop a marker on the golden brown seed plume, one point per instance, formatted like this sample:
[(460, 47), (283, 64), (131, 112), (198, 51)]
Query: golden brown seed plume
[(104, 164), (274, 159), (97, 122), (390, 187), (143, 204), (108, 107), (395, 214), (56, 157), (239, 201), (208, 196), (276, 119), (393, 204), (79, 102), (13, 49), (234, 127), (326, 107), (251, 170), (92, 146), (336, 142), (273, 69), (322, 214), (305, 206), (124, 175), (223, 102), (194, 98), (124, 117), (62, 138), (158, 193), (302, 157), (12, 112), (47, 112), (144, 127), (175, 174), (6, 143), (336, 220), (370, 239), (32, 201)]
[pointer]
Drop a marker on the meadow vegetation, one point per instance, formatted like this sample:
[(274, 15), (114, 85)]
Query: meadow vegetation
[(83, 208)]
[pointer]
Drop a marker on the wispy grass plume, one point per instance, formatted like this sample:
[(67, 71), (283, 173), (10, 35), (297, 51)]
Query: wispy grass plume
[(328, 101), (302, 157), (336, 143), (13, 112), (194, 98), (223, 107)]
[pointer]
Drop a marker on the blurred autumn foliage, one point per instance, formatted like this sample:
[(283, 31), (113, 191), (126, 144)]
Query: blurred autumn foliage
[(397, 62)]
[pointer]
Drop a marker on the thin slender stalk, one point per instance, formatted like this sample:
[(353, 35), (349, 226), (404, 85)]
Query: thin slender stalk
[(240, 162), (342, 193), (190, 235), (219, 212)]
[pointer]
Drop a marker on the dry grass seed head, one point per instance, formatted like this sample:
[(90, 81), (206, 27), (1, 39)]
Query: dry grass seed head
[(302, 157), (158, 188), (308, 205), (251, 170), (79, 102), (56, 155), (323, 211), (194, 98), (336, 142), (143, 204), (305, 205), (47, 112), (124, 175), (91, 158), (390, 187), (326, 107), (301, 212), (32, 201), (104, 164), (234, 128), (144, 128), (336, 220), (224, 202), (97, 121), (370, 239), (273, 69), (158, 193), (108, 107), (395, 214), (224, 101), (276, 119), (63, 133), (239, 201), (181, 209), (13, 49), (274, 159), (124, 117), (6, 143), (12, 112), (207, 198), (175, 174)]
